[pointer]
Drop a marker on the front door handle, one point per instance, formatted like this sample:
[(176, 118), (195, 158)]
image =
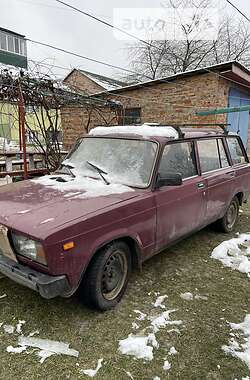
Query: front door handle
[(201, 185)]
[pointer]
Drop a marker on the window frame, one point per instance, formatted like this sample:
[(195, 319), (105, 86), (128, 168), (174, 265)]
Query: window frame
[(187, 141), (124, 116), (242, 149), (20, 41)]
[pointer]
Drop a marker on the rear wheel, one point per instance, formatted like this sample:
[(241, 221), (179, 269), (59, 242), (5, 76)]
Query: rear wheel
[(106, 279), (227, 223)]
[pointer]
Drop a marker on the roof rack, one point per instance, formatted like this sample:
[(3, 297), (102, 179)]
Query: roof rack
[(181, 134)]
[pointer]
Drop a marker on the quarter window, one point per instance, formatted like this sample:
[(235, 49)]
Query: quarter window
[(179, 158), (235, 151)]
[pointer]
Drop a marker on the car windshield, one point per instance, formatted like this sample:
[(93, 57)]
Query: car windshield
[(114, 160)]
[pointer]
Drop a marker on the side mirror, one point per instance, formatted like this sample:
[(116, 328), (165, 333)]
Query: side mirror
[(168, 179)]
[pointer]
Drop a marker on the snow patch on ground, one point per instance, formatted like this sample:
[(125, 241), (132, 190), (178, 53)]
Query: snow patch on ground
[(190, 297), (43, 355), (135, 326), (47, 345), (9, 329), (141, 316), (172, 351), (92, 372), (162, 320), (235, 253), (16, 350), (166, 365), (159, 301), (19, 326), (187, 296), (240, 350), (88, 187), (140, 347)]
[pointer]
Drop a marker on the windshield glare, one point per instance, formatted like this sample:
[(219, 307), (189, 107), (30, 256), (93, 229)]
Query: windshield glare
[(129, 162)]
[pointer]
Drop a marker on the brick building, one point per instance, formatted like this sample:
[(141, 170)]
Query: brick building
[(174, 99)]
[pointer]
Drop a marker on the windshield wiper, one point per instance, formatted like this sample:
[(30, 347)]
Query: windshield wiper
[(68, 167), (99, 171)]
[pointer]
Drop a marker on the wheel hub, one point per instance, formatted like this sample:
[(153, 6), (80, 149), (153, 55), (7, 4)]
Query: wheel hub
[(114, 275)]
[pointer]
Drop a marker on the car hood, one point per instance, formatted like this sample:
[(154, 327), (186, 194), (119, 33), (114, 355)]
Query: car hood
[(39, 209)]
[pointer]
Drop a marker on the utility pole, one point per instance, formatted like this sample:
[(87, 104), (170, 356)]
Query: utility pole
[(21, 107)]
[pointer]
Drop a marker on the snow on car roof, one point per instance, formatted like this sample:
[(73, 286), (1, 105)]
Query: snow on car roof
[(144, 130)]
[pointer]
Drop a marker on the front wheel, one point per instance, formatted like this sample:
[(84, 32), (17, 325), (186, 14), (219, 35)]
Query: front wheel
[(227, 223), (106, 279)]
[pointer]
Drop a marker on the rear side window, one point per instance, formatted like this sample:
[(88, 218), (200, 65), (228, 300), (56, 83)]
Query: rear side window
[(179, 158), (209, 155), (235, 150)]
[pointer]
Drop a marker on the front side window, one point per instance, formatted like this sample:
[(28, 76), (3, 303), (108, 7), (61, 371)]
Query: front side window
[(235, 151), (179, 158), (126, 161)]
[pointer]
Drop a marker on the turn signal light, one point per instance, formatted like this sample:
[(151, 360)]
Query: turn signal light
[(68, 245)]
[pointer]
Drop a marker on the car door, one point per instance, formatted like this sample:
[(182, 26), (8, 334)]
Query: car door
[(218, 176), (241, 166), (179, 209)]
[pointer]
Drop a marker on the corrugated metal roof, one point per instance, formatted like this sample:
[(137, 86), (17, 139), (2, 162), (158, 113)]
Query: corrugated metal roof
[(214, 68), (103, 81)]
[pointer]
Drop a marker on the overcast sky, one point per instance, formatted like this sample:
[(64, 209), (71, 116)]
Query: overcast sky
[(49, 22)]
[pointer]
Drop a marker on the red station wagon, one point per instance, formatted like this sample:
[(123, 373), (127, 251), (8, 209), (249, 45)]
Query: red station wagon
[(122, 195)]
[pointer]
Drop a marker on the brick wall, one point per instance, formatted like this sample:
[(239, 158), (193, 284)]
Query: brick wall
[(77, 121), (164, 103), (81, 82)]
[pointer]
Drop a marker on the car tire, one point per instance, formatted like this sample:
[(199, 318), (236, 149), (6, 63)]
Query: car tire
[(227, 223), (107, 276)]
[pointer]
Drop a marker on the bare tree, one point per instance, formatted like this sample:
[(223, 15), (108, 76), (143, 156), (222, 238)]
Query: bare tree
[(46, 98), (161, 58)]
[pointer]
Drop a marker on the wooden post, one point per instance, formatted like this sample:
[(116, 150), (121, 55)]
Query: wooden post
[(22, 129)]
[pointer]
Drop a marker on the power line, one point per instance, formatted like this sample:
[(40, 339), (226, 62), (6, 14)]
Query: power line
[(238, 10), (84, 57), (105, 23), (135, 37)]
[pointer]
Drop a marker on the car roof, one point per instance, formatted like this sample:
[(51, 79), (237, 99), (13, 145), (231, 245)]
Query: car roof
[(160, 133)]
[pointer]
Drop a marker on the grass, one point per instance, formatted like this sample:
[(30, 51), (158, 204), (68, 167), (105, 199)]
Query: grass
[(185, 267)]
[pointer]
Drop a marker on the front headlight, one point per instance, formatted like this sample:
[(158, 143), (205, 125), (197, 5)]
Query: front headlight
[(28, 248)]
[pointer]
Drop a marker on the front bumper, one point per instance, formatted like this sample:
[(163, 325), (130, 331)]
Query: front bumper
[(48, 286)]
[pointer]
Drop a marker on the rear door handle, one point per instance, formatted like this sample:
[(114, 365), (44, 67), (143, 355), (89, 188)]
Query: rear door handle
[(231, 174), (201, 185)]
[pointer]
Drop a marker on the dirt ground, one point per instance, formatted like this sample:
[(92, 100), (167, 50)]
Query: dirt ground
[(186, 267)]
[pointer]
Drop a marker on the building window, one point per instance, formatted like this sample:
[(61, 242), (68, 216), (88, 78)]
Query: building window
[(13, 44), (54, 136), (31, 108), (132, 116), (32, 136)]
